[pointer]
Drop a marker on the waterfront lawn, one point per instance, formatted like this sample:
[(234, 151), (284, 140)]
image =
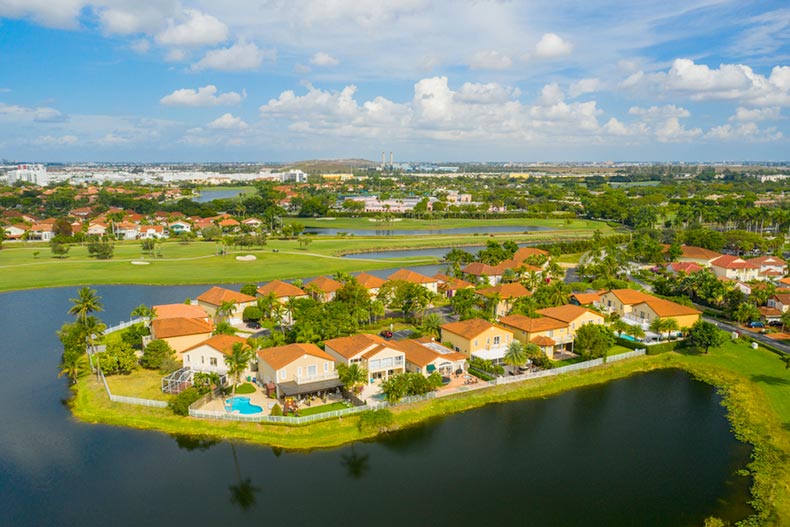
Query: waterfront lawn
[(146, 384), (320, 409)]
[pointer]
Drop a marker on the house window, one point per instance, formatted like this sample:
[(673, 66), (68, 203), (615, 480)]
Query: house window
[(496, 341), (202, 360), (312, 371), (213, 361), (281, 374), (475, 342), (299, 371), (186, 358), (326, 367)]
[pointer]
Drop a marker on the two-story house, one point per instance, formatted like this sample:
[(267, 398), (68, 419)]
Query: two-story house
[(477, 337), (734, 268), (297, 370), (209, 356), (371, 352), (215, 297), (547, 333)]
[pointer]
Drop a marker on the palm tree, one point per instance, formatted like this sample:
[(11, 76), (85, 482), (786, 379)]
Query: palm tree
[(86, 303), (94, 328), (431, 323), (670, 325), (352, 375), (356, 464), (658, 325), (746, 312), (493, 302), (635, 331), (226, 309), (620, 326), (73, 366), (785, 320), (515, 355), (238, 360), (377, 309), (144, 311)]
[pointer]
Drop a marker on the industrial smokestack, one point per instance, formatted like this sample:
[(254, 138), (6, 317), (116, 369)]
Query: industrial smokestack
[(383, 159), (391, 164)]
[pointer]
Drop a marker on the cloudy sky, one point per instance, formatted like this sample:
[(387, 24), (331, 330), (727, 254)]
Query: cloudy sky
[(279, 80)]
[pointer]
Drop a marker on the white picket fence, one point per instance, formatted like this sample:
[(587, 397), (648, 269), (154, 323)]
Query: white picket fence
[(130, 400), (281, 419), (123, 325), (571, 367)]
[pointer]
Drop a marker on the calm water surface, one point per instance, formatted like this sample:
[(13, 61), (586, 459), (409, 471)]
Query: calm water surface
[(650, 450), (207, 195)]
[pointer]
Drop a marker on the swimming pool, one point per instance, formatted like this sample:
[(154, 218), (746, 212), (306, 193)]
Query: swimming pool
[(242, 405), (625, 336)]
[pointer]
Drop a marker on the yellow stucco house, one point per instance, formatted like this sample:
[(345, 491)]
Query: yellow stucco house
[(477, 337), (298, 369), (547, 333), (212, 299), (644, 308), (181, 333)]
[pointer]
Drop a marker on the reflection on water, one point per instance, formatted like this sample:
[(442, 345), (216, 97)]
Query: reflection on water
[(650, 450)]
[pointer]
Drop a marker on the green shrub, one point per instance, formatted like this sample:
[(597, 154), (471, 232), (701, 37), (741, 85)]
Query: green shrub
[(118, 358), (276, 410), (180, 403), (376, 420), (252, 313), (480, 375), (155, 353)]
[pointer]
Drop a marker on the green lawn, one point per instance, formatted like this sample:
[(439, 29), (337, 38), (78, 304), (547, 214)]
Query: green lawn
[(755, 385), (450, 223), (197, 263), (146, 384), (312, 410)]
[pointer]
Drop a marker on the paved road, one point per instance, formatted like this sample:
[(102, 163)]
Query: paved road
[(759, 337)]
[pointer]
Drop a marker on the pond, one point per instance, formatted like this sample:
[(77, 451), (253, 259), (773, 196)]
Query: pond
[(327, 231), (209, 194), (437, 252), (648, 450)]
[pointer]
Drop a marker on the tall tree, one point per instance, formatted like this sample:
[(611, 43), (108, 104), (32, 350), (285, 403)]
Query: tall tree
[(238, 360), (704, 335), (515, 355), (86, 303)]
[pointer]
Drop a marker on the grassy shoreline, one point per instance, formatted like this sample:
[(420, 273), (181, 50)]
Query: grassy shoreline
[(756, 416)]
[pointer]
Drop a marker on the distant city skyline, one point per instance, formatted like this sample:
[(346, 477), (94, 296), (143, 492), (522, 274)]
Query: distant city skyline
[(238, 80)]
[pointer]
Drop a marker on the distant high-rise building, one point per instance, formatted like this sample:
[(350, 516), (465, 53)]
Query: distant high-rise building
[(36, 174)]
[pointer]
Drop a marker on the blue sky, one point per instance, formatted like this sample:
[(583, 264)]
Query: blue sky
[(274, 80)]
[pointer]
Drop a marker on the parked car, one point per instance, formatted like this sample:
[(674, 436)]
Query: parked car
[(756, 324), (387, 334), (775, 323), (253, 325)]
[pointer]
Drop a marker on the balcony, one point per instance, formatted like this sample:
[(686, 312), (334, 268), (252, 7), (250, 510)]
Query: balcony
[(307, 378)]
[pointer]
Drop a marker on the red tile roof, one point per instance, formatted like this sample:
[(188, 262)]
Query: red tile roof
[(217, 295), (164, 311), (469, 329), (411, 276), (280, 356), (567, 313), (179, 327), (222, 343), (732, 262), (280, 289), (532, 325), (505, 291)]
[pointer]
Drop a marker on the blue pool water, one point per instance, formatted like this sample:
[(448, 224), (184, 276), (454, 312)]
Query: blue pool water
[(242, 405), (627, 337)]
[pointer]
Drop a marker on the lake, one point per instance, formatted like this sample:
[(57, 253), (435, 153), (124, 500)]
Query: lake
[(327, 231), (437, 252), (648, 450), (209, 194)]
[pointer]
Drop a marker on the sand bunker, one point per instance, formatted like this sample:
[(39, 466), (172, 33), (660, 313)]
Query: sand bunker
[(138, 262), (246, 258)]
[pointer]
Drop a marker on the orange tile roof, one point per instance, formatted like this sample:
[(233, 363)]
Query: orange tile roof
[(587, 298), (469, 329), (732, 262), (525, 252), (698, 253), (369, 281), (164, 311), (532, 325), (217, 295), (448, 283), (480, 269), (666, 308), (280, 289), (325, 284), (542, 341), (785, 281), (280, 356), (348, 347), (767, 260), (222, 343), (505, 291), (629, 297), (685, 267), (782, 298), (567, 313), (179, 327), (411, 276), (769, 312)]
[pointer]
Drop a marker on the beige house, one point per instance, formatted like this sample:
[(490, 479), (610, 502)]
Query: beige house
[(379, 357), (425, 356), (370, 282), (780, 302), (297, 370), (574, 316), (323, 288), (770, 267), (697, 255), (284, 293), (547, 333), (735, 268), (431, 284), (209, 355), (212, 299), (181, 333), (477, 337), (507, 295)]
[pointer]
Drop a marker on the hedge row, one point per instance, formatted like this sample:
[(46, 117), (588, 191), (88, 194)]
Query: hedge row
[(653, 349)]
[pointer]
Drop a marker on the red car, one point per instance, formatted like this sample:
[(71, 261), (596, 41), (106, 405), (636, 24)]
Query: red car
[(387, 334)]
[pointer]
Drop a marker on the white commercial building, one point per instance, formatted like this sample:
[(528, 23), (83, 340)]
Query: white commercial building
[(36, 174)]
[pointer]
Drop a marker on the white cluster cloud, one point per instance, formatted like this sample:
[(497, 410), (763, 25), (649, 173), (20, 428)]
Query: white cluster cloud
[(38, 114), (771, 113), (205, 96), (552, 46), (63, 140), (241, 56), (699, 82), (748, 132), (199, 29), (227, 122), (323, 59)]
